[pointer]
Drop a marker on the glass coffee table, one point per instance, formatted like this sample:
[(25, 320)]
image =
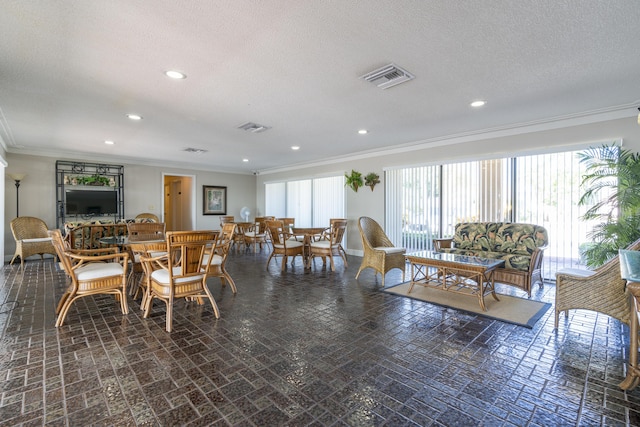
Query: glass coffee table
[(469, 275)]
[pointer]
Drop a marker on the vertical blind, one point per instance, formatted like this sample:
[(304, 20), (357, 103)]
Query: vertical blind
[(427, 201), (312, 202)]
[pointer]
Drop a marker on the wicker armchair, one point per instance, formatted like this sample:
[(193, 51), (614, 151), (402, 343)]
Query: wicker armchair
[(330, 244), (379, 252), (31, 238), (601, 290), (283, 245), (217, 267), (90, 274), (181, 273), (257, 234)]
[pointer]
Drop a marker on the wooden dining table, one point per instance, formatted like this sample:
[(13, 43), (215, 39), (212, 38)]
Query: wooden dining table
[(307, 233)]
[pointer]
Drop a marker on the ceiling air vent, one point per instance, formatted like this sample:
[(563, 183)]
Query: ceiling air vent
[(387, 76), (195, 150), (253, 127)]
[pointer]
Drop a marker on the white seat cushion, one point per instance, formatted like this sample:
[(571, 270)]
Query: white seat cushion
[(97, 270), (290, 244), (37, 240), (253, 234), (162, 276), (390, 249), (321, 244), (217, 259)]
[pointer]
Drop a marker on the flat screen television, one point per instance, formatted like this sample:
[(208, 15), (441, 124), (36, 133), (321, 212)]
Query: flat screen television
[(91, 202)]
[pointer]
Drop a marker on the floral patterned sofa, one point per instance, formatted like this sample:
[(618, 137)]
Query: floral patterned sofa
[(520, 245), (87, 234)]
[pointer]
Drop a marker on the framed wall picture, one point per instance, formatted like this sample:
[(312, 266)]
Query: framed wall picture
[(214, 200)]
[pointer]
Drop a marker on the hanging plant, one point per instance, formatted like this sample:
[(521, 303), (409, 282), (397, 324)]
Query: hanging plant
[(354, 180), (371, 180)]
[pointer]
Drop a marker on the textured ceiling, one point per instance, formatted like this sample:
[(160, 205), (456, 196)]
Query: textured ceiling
[(71, 70)]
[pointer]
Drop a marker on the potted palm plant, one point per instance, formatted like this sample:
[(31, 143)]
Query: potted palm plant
[(612, 191)]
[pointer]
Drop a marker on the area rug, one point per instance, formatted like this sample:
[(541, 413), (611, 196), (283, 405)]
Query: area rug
[(519, 311)]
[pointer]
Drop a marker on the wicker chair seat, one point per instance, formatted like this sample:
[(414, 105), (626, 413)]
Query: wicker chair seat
[(390, 250), (98, 270), (291, 243)]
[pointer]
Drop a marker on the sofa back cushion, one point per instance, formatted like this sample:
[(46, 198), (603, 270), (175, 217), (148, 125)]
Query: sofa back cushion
[(474, 236), (512, 238), (519, 238)]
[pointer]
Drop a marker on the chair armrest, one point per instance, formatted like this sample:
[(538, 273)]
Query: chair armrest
[(123, 256), (442, 244), (96, 252)]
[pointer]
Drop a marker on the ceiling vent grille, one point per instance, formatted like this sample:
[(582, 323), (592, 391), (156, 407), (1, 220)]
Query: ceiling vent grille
[(388, 76), (253, 127), (195, 150)]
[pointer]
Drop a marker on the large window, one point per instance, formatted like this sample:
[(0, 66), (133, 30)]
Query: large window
[(312, 202), (425, 202)]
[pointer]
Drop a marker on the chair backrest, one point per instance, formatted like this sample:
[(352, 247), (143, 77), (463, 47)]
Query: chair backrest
[(28, 227), (148, 215), (289, 223), (186, 252), (226, 219), (338, 227), (276, 230), (228, 232), (372, 234), (61, 249), (261, 226), (146, 231)]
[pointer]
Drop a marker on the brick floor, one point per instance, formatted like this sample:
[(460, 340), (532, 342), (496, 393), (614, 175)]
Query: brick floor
[(310, 347)]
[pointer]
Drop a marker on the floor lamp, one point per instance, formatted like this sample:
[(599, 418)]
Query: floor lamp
[(17, 177)]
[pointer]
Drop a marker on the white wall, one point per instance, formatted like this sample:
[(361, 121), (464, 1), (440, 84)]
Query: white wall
[(365, 203), (142, 189)]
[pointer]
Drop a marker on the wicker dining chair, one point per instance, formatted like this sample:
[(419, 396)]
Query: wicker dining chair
[(217, 265), (379, 252), (31, 238), (182, 272), (329, 244), (257, 234), (90, 274), (601, 290), (282, 244)]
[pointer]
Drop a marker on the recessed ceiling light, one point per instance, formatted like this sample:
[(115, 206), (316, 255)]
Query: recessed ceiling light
[(175, 74), (134, 116), (295, 147), (108, 142), (363, 131), (477, 103), (245, 160)]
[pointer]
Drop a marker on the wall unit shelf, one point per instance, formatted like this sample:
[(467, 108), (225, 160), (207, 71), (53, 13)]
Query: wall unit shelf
[(86, 191)]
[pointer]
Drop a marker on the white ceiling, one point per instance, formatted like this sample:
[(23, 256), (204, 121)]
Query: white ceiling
[(71, 70)]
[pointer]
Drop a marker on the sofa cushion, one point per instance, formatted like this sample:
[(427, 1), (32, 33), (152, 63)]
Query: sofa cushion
[(472, 235), (519, 238)]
